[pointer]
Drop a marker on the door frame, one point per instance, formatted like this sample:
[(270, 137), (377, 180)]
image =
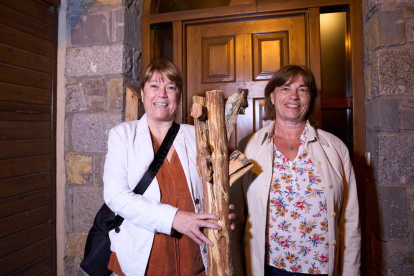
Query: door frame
[(182, 18)]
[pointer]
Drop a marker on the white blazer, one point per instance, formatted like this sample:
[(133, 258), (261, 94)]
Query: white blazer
[(331, 157), (130, 153)]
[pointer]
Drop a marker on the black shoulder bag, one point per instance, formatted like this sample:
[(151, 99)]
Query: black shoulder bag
[(98, 245)]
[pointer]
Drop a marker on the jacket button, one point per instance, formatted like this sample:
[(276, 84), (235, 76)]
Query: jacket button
[(197, 201), (333, 214), (318, 162), (333, 242), (330, 185)]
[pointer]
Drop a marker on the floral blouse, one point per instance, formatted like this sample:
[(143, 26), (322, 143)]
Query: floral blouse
[(297, 229)]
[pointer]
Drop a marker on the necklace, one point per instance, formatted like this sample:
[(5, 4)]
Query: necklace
[(291, 147)]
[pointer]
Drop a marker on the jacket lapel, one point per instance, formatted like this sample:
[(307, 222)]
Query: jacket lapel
[(144, 142)]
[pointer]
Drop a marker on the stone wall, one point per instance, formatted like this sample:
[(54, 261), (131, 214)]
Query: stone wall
[(103, 55), (389, 88)]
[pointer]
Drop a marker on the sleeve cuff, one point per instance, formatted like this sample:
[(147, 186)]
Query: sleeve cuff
[(167, 219)]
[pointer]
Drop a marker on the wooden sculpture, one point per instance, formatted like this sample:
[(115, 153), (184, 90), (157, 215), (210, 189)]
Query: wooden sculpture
[(214, 123)]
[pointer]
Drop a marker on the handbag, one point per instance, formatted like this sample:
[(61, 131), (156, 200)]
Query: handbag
[(98, 245)]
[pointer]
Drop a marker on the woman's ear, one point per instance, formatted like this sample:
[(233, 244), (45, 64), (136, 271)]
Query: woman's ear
[(272, 98), (142, 95)]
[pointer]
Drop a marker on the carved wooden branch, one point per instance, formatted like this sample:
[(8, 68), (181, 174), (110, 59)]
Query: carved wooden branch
[(212, 133), (233, 105)]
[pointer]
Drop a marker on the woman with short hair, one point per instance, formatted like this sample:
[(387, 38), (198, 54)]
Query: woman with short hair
[(297, 210)]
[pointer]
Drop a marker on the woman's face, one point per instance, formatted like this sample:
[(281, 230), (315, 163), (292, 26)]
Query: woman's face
[(291, 101), (160, 97)]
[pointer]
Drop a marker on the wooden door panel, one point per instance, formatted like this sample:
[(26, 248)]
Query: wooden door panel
[(24, 76), (24, 130), (16, 57), (261, 47), (218, 59)]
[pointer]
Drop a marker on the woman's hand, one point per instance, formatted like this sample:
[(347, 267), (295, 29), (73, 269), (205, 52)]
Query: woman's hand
[(189, 224)]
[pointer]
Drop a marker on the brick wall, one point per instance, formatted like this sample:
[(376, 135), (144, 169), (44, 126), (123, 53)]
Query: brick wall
[(389, 89), (103, 55)]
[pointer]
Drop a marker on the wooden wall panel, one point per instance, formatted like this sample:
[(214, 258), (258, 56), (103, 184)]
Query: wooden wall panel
[(25, 256), (24, 76), (30, 8), (24, 148), (24, 94), (22, 40), (14, 205), (42, 266), (28, 55), (24, 130), (16, 57), (22, 221), (24, 184), (18, 241), (25, 23), (22, 166)]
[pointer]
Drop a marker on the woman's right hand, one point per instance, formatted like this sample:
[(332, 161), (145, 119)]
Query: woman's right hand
[(189, 224)]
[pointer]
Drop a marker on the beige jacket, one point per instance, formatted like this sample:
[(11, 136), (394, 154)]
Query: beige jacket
[(250, 195)]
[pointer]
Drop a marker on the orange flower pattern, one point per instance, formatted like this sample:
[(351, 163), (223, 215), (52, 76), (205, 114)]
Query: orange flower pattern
[(297, 229)]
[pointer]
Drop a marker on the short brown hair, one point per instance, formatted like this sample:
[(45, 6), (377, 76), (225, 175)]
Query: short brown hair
[(283, 75), (163, 67)]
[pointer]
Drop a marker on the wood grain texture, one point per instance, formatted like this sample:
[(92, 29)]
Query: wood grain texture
[(24, 184), (25, 202), (219, 256), (131, 103), (24, 220), (24, 59), (22, 239), (42, 266), (32, 9), (24, 94)]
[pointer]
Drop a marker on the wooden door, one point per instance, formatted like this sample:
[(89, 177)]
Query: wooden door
[(28, 35), (237, 55)]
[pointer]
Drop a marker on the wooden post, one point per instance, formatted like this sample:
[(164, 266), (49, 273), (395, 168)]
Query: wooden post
[(219, 262), (212, 127)]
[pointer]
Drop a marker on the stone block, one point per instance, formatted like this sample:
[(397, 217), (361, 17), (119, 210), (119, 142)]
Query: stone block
[(133, 6), (373, 3), (395, 158), (93, 29), (398, 259), (384, 28), (117, 25), (136, 76), (128, 60), (115, 94), (75, 98), (407, 115), (109, 2), (392, 213), (75, 246), (90, 131), (132, 35), (410, 209), (93, 87), (93, 61), (96, 104), (72, 267), (86, 202), (392, 71), (383, 115), (409, 29), (98, 163), (78, 168), (367, 82)]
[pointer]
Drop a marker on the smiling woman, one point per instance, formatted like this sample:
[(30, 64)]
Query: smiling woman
[(161, 231), (300, 193)]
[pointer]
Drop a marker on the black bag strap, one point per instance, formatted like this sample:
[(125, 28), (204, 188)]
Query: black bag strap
[(158, 160), (153, 169)]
